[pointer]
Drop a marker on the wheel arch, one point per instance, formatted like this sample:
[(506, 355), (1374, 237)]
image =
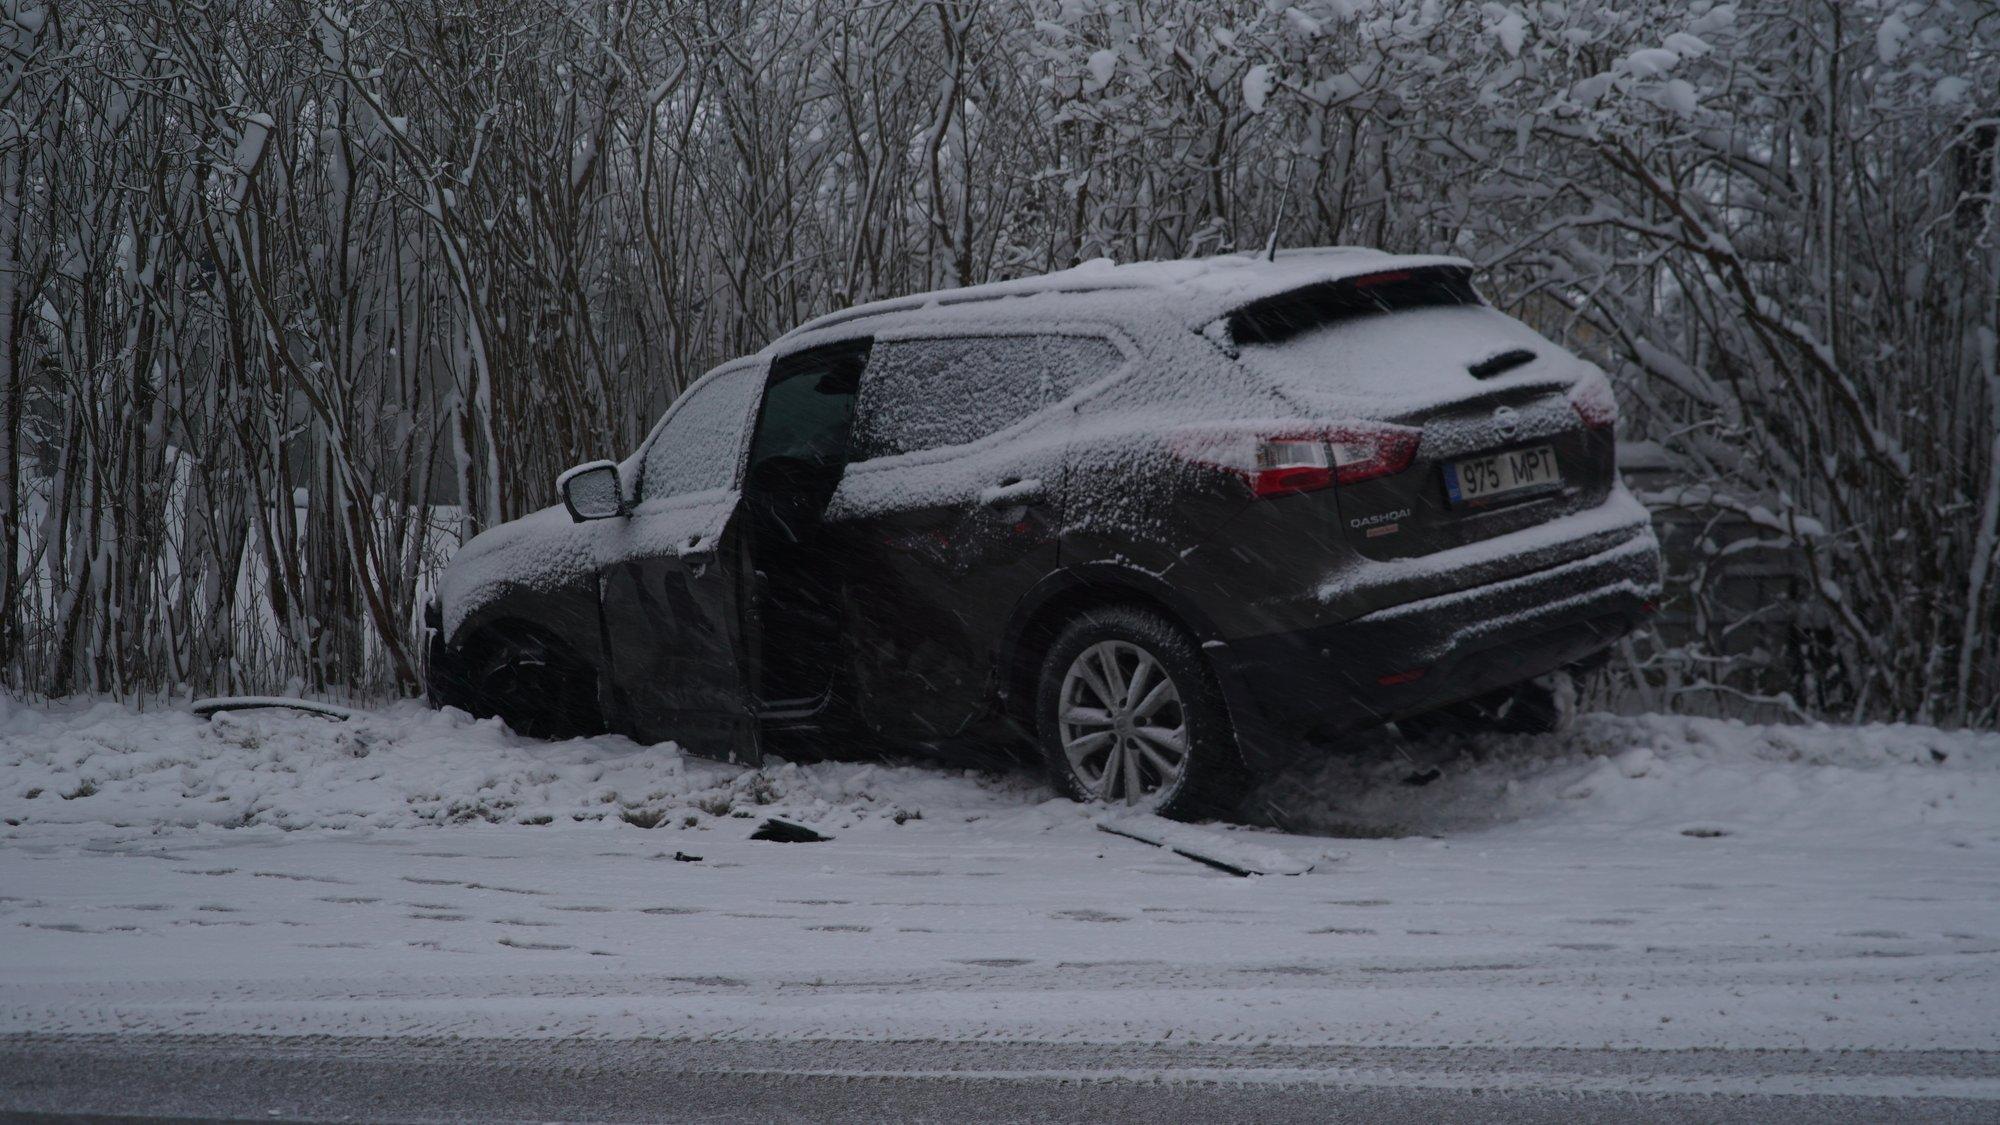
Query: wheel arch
[(481, 638), (1057, 600), (568, 615), (512, 621)]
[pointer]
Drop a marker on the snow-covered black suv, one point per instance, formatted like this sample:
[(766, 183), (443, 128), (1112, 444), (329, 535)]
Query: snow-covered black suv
[(1176, 521)]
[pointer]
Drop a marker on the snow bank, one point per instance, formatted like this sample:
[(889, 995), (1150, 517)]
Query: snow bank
[(1663, 776), (407, 766), (1641, 883)]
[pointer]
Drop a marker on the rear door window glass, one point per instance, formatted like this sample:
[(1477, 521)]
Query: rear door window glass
[(696, 449), (936, 392)]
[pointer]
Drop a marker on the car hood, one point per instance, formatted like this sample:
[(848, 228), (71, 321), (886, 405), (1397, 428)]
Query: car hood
[(541, 551), (546, 551)]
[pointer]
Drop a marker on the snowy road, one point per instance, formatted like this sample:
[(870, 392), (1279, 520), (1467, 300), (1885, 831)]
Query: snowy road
[(653, 1080), (1667, 908)]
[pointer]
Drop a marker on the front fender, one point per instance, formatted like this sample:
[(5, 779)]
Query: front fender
[(538, 573)]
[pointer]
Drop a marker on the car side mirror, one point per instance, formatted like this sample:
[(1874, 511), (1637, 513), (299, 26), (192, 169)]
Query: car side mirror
[(591, 491)]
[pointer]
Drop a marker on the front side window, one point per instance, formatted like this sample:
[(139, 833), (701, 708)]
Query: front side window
[(809, 409), (935, 392), (696, 449)]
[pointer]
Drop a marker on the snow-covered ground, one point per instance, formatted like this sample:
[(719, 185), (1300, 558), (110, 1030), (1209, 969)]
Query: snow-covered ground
[(1640, 883)]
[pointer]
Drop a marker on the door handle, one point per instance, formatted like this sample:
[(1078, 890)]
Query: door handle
[(1012, 493), (696, 555), (697, 563)]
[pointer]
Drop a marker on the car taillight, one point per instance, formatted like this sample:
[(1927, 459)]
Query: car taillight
[(1364, 452), (1287, 465), (1595, 403), (1294, 461)]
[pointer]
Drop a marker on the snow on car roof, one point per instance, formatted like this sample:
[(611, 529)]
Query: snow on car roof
[(1198, 290)]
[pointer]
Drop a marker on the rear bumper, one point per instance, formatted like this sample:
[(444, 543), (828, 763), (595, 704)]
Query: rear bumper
[(1284, 688)]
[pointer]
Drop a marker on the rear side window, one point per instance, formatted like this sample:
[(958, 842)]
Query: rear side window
[(1072, 363), (944, 391), (695, 450)]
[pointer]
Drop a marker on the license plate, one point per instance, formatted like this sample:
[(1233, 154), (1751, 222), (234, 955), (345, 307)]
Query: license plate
[(1481, 480)]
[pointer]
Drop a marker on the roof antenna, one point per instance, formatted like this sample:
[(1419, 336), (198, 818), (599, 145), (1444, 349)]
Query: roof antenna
[(1271, 244)]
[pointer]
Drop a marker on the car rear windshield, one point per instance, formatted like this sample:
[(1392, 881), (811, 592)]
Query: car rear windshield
[(1397, 367), (1282, 316)]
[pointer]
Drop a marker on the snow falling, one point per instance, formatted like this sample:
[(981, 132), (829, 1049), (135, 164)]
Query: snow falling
[(298, 300), (290, 305)]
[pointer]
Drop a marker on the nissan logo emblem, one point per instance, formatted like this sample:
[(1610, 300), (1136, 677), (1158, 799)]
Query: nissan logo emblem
[(1505, 418)]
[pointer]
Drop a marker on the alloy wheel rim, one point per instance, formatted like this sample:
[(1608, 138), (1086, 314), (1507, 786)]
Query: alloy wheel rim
[(1123, 726)]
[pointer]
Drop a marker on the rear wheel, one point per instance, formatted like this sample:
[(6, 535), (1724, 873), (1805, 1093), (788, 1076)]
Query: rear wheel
[(536, 686), (1129, 716)]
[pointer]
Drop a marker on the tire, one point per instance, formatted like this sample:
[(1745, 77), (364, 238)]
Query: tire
[(1544, 705), (1178, 706), (536, 686)]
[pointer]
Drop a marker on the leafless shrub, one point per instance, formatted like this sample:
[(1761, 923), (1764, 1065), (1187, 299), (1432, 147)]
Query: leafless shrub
[(296, 295)]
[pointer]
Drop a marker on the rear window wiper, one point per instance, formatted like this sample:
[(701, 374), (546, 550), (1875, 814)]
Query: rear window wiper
[(1505, 361)]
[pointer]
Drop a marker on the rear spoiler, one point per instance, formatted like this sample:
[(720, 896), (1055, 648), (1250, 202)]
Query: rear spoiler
[(1279, 317)]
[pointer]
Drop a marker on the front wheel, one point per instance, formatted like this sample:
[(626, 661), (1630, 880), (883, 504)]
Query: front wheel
[(536, 686), (1129, 716)]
